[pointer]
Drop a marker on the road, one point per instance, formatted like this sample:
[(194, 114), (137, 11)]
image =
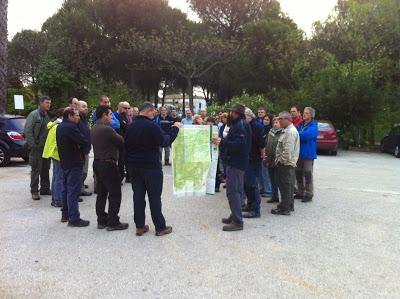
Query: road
[(346, 243)]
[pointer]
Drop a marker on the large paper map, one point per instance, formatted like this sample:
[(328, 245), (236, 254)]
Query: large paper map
[(194, 160)]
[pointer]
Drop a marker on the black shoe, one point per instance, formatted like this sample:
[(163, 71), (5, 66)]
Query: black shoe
[(298, 196), (251, 215), (79, 223), (306, 199), (120, 226), (56, 204), (64, 219), (101, 226), (80, 199), (232, 227), (280, 212), (164, 232), (272, 200), (86, 193), (45, 192), (35, 196), (227, 220), (246, 208), (86, 186)]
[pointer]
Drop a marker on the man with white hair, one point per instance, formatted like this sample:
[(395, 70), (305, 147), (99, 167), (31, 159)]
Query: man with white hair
[(188, 120), (308, 131), (287, 154), (253, 170), (84, 127)]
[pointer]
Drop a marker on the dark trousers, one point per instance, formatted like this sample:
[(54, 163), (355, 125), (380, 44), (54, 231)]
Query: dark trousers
[(286, 179), (70, 193), (121, 165), (148, 181), (304, 177), (234, 192), (85, 170), (39, 170), (108, 185), (251, 179), (274, 183)]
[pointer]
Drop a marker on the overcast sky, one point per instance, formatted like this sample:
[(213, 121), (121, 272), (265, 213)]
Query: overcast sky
[(23, 14)]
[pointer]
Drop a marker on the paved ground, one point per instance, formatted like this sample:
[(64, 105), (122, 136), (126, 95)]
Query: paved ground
[(344, 244)]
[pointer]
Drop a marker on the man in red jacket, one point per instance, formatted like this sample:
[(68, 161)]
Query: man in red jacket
[(296, 116)]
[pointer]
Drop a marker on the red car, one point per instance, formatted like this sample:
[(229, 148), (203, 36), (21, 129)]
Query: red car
[(327, 137)]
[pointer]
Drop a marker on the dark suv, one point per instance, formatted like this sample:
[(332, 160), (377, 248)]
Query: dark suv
[(391, 142), (12, 139)]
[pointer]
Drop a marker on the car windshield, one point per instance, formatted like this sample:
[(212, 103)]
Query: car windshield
[(15, 124), (325, 127)]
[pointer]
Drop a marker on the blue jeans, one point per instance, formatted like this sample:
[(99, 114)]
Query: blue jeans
[(70, 193), (251, 186), (148, 181), (57, 182), (265, 181)]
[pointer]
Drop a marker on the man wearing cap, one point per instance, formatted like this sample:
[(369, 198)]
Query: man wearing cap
[(143, 140), (253, 170), (287, 154), (237, 146)]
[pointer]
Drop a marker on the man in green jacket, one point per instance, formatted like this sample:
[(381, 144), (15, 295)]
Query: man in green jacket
[(36, 133)]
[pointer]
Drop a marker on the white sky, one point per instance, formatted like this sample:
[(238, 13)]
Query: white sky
[(31, 14)]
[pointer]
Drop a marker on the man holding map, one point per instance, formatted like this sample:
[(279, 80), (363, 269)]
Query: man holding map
[(236, 146)]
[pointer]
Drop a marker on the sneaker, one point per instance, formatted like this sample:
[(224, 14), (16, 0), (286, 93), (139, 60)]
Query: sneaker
[(45, 192), (251, 215), (64, 219), (79, 223), (142, 231), (232, 227), (167, 230), (119, 226), (280, 212), (56, 204), (227, 220), (35, 196)]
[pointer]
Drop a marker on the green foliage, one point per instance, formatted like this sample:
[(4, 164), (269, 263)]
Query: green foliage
[(30, 103), (251, 101)]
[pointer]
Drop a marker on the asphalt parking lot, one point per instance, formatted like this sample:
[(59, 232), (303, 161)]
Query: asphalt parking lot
[(346, 243)]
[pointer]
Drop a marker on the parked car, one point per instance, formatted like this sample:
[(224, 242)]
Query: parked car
[(391, 142), (327, 139), (12, 139)]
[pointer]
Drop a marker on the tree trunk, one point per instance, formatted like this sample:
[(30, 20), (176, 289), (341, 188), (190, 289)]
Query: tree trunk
[(3, 56), (372, 134), (183, 101), (164, 93), (156, 98), (190, 92)]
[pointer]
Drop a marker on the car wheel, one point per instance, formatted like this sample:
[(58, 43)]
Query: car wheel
[(397, 152), (4, 157)]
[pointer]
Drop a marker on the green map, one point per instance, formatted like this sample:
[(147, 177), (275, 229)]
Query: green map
[(191, 152)]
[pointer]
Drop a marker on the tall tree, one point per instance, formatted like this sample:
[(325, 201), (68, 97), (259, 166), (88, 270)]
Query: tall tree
[(3, 55)]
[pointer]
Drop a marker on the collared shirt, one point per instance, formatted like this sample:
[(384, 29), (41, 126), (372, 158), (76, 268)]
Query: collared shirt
[(288, 148), (187, 121)]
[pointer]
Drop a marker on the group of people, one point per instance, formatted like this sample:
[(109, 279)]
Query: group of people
[(260, 156)]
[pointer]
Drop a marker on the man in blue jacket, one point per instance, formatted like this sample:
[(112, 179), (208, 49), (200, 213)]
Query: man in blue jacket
[(237, 146), (143, 140), (71, 145), (105, 101), (308, 132), (253, 170)]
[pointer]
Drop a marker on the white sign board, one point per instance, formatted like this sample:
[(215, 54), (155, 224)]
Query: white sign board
[(19, 102)]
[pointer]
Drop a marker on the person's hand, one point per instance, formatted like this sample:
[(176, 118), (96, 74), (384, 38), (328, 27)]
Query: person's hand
[(178, 125), (216, 140), (263, 153)]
